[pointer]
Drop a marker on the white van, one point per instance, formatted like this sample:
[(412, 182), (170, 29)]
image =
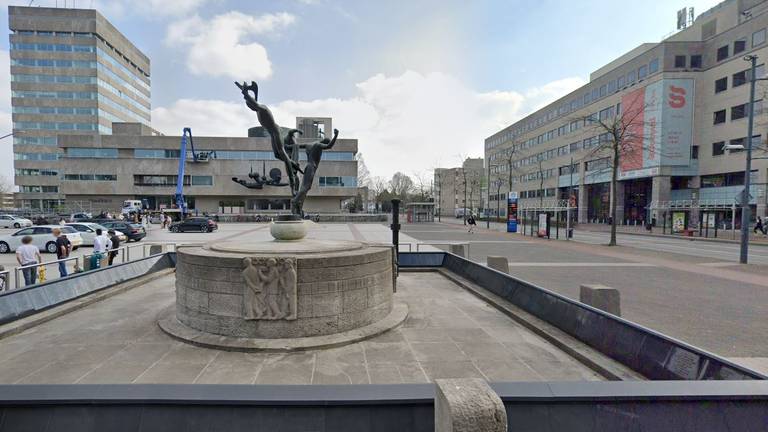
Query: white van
[(131, 206)]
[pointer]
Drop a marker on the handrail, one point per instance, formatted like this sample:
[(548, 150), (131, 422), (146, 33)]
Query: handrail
[(4, 280), (16, 270)]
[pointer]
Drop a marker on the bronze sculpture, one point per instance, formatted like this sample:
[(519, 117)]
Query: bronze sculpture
[(287, 150)]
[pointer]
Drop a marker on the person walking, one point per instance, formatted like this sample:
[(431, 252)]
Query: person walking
[(114, 244), (471, 223), (101, 244), (28, 254), (63, 249), (759, 226)]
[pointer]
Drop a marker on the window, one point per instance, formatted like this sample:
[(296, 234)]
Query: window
[(680, 61), (719, 117), (90, 177), (694, 152), (597, 164), (84, 152), (653, 66), (696, 61), (620, 81), (722, 53), (642, 72), (202, 180), (739, 79), (739, 46), (718, 148), (738, 112), (721, 85), (612, 87), (758, 38), (631, 77), (603, 90)]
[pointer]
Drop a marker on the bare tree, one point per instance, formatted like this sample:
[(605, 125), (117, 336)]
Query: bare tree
[(620, 141), (6, 186), (363, 175), (378, 185), (422, 185), (401, 185), (474, 184)]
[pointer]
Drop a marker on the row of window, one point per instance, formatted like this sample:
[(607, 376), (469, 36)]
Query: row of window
[(111, 153), (597, 164), (613, 86), (79, 64), (681, 61), (90, 177), (129, 73), (86, 152), (58, 79), (128, 97), (51, 33), (740, 45), (338, 181), (737, 112), (39, 141), (727, 179), (39, 189), (124, 110), (738, 79), (44, 94), (538, 193), (36, 172), (36, 156), (55, 110), (170, 180), (52, 47), (67, 126), (129, 84)]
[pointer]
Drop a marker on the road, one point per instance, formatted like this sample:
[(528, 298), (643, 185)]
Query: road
[(726, 251), (693, 291)]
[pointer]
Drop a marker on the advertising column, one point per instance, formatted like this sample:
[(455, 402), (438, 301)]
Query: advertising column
[(512, 212)]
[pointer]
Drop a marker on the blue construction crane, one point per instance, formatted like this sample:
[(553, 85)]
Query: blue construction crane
[(201, 157)]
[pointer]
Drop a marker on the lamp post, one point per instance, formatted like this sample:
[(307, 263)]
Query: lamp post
[(488, 202)]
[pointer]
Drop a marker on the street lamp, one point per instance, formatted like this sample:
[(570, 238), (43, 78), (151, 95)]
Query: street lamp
[(745, 209)]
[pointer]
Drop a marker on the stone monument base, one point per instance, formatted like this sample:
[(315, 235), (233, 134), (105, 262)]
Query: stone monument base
[(263, 295), (168, 322)]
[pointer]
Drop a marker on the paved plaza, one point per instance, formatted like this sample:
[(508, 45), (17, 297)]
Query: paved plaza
[(449, 334)]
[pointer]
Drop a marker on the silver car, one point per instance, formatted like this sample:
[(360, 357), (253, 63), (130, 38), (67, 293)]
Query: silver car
[(11, 221)]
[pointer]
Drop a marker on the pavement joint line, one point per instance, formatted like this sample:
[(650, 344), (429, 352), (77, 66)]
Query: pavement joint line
[(576, 264), (579, 351), (18, 326)]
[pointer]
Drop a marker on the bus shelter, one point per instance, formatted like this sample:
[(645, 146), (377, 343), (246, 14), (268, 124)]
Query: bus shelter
[(420, 212)]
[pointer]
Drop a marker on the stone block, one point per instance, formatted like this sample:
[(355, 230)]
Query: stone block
[(326, 304), (468, 405), (458, 249), (601, 297), (498, 263), (225, 304), (355, 300)]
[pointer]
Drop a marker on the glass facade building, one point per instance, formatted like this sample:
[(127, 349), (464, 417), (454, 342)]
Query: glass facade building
[(72, 72)]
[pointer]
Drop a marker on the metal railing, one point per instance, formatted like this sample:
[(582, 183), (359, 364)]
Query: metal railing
[(432, 243), (124, 254)]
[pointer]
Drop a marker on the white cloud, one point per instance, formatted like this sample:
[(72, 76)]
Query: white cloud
[(223, 46), (408, 123), (149, 8)]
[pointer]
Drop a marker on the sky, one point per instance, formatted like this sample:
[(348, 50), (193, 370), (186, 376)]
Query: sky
[(419, 83)]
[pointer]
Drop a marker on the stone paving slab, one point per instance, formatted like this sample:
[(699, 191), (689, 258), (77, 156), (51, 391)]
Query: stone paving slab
[(449, 334)]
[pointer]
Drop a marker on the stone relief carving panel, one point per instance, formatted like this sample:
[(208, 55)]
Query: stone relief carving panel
[(270, 288)]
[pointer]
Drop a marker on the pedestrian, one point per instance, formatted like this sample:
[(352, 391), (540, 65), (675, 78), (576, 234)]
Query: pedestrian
[(472, 224), (114, 244), (759, 226), (26, 255), (63, 249), (162, 220), (168, 221), (101, 244)]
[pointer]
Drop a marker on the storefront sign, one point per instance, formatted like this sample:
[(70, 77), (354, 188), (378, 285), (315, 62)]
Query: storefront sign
[(512, 212)]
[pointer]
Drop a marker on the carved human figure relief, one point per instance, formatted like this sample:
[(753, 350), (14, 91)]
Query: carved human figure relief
[(270, 288)]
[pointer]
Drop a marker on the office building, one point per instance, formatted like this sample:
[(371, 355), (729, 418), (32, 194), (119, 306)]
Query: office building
[(72, 73), (459, 187), (692, 90), (99, 172)]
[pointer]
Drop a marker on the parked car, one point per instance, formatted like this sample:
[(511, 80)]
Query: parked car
[(80, 217), (42, 237), (133, 231), (87, 231), (196, 224), (11, 221)]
